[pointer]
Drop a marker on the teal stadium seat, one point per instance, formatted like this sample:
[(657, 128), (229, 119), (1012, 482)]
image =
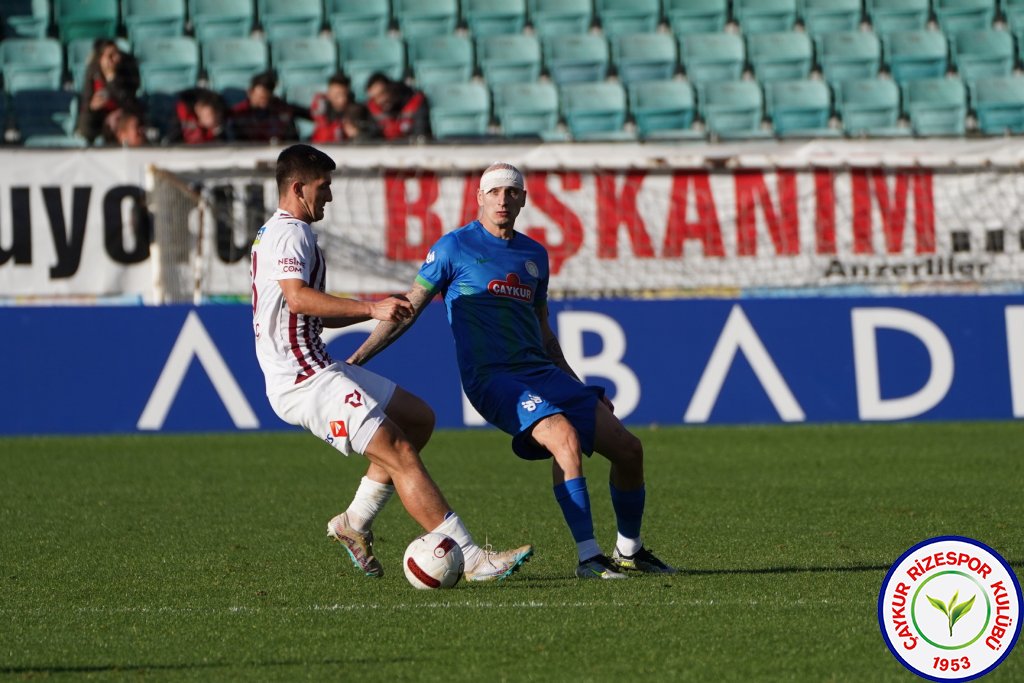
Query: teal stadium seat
[(290, 18), (709, 57), (232, 62), (663, 110), (459, 110), (870, 107), (936, 106), (595, 111), (48, 113), (85, 18), (622, 17), (887, 16), (560, 17), (358, 18), (913, 55), (986, 53), (168, 65), (1013, 13), (849, 55), (302, 94), (444, 58), (576, 58), (783, 56), (526, 109), (644, 57), (509, 59), (312, 59), (31, 64), (153, 18), (800, 108), (954, 16), (494, 17), (361, 57), (221, 18), (696, 16), (998, 104), (733, 109), (425, 17), (25, 18), (829, 16), (764, 16)]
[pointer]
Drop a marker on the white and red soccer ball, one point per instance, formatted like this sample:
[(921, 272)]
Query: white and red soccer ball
[(433, 561)]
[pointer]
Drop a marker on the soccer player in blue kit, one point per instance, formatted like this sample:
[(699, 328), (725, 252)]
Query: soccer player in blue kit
[(494, 282)]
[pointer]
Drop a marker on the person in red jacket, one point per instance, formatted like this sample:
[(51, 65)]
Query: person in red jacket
[(110, 84), (337, 117), (400, 111), (200, 118), (263, 117)]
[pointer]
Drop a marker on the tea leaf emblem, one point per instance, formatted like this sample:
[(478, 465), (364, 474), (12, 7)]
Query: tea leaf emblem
[(954, 612)]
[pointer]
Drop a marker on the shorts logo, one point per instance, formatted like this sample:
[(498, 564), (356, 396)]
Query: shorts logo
[(338, 428), (355, 399), (530, 404), (949, 609), (511, 288)]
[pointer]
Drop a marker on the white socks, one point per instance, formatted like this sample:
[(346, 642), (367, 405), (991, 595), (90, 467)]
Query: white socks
[(628, 546), (453, 527), (370, 498)]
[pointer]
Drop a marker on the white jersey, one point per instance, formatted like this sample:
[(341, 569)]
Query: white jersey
[(288, 345)]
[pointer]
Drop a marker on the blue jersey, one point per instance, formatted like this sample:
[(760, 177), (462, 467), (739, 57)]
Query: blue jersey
[(492, 289)]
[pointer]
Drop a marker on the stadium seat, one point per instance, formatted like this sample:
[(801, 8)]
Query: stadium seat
[(954, 16), (595, 111), (936, 106), (459, 110), (168, 65), (780, 56), (622, 17), (44, 112), (232, 62), (153, 18), (302, 94), (31, 64), (425, 17), (1013, 13), (709, 57), (560, 17), (696, 16), (526, 109), (870, 107), (829, 16), (998, 104), (358, 18), (800, 108), (663, 109), (887, 16), (576, 58), (221, 18), (361, 57), (644, 57), (982, 54), (445, 58), (25, 18), (849, 55), (290, 18), (733, 109), (764, 16), (509, 59), (85, 18), (313, 59), (913, 55), (494, 17)]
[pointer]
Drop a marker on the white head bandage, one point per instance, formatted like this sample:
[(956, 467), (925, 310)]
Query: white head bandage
[(501, 175)]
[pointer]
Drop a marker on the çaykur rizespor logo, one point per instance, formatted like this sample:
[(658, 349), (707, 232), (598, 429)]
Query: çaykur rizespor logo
[(949, 609)]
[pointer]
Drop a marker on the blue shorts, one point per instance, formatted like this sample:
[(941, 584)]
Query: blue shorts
[(514, 402)]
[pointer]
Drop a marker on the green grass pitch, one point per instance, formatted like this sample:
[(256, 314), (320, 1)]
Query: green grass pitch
[(205, 557)]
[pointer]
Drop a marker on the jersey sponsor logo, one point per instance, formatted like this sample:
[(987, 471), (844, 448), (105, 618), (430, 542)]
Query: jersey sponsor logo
[(355, 399), (259, 235), (430, 257), (338, 428), (291, 264), (511, 288)]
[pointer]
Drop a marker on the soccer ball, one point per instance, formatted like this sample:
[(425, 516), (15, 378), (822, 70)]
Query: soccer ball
[(433, 561)]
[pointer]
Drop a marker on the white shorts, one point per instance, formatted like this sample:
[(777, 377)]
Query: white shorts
[(342, 404)]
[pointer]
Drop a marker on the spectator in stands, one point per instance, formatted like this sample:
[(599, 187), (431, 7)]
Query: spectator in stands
[(337, 117), (200, 117), (126, 128), (263, 117), (400, 111), (111, 81)]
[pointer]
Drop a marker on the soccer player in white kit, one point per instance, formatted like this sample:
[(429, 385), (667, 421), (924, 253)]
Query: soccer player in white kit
[(349, 407)]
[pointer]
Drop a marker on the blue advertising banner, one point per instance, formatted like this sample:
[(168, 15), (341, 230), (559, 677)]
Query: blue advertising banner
[(87, 370)]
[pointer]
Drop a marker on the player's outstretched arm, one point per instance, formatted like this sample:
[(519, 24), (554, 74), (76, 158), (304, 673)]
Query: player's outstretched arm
[(387, 332), (305, 300)]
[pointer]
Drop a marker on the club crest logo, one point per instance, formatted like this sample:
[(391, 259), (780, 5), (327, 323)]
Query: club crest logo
[(532, 269), (949, 609), (511, 288)]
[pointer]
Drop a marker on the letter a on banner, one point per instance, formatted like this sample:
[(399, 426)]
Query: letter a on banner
[(194, 340)]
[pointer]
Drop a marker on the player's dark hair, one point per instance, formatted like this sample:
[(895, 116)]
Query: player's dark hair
[(302, 163)]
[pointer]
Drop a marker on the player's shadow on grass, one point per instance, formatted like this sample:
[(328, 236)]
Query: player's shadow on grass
[(187, 666)]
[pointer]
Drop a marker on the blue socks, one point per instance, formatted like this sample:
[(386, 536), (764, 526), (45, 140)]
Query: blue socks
[(574, 499), (629, 513)]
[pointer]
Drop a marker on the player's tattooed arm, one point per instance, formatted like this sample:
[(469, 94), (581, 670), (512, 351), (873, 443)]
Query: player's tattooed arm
[(550, 341), (387, 332)]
